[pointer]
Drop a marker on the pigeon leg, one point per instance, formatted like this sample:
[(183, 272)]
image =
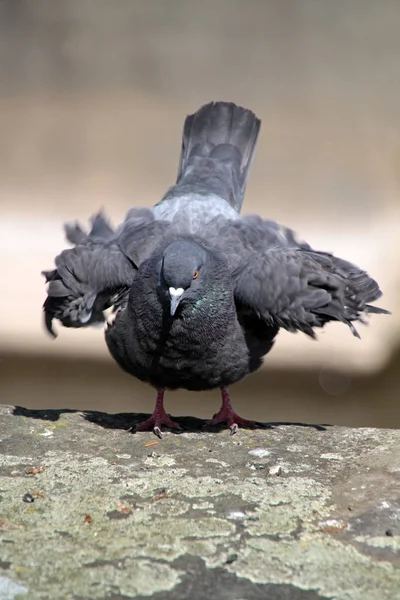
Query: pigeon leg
[(158, 418), (227, 415)]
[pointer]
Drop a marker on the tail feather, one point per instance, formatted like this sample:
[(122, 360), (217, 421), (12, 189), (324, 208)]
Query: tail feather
[(218, 146)]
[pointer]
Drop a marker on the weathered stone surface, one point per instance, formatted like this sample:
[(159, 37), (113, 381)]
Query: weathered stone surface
[(89, 510)]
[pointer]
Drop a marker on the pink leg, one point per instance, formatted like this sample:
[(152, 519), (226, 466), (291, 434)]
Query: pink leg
[(227, 415), (158, 418)]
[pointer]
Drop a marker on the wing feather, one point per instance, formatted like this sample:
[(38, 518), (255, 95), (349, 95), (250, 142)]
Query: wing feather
[(98, 271), (301, 289)]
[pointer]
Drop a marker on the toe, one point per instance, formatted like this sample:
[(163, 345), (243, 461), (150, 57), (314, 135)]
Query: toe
[(243, 422), (145, 426), (168, 422)]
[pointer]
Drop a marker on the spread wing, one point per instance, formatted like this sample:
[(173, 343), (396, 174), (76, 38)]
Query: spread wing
[(300, 289), (98, 271)]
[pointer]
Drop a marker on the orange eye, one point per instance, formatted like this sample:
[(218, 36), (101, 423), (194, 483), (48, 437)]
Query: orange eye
[(196, 274)]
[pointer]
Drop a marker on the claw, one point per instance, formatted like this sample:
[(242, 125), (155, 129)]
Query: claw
[(233, 428), (157, 432)]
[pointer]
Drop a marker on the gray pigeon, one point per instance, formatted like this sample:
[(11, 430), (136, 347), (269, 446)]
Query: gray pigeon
[(199, 292)]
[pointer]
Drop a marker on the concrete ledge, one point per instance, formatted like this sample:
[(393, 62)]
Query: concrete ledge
[(89, 510)]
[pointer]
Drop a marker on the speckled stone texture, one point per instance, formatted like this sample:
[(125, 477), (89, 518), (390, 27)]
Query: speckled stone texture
[(89, 510)]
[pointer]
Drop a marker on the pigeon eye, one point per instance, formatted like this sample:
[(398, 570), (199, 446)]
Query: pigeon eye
[(196, 274)]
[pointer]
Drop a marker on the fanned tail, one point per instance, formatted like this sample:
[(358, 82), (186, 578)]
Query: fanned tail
[(218, 146)]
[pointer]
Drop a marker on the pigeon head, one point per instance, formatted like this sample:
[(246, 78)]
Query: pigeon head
[(182, 270)]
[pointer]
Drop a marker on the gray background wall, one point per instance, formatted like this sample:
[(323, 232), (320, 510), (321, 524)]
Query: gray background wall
[(92, 100)]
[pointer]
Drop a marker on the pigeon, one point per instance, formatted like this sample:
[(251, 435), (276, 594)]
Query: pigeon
[(197, 292)]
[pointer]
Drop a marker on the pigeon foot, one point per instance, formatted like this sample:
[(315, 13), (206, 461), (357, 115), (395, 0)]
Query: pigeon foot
[(227, 415), (158, 419), (232, 419), (155, 422)]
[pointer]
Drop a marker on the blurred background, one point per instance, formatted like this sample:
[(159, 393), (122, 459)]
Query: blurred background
[(93, 95)]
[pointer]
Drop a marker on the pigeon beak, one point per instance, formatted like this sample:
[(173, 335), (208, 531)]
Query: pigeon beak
[(175, 294)]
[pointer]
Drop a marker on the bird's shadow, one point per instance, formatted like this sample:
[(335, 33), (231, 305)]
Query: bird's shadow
[(129, 421)]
